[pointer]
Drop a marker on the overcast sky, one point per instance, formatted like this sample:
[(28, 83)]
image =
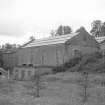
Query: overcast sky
[(20, 19)]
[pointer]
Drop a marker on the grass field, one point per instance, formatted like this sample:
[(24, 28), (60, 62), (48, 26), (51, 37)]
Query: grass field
[(58, 89)]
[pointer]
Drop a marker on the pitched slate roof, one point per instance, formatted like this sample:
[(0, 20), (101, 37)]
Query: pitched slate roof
[(83, 38), (3, 71), (50, 40)]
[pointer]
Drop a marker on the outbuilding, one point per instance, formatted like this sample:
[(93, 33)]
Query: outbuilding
[(54, 51)]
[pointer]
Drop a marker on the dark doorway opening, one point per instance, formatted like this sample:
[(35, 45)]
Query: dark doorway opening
[(0, 73)]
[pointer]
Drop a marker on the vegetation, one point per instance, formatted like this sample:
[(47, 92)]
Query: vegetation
[(9, 46), (94, 62), (98, 28), (67, 65), (31, 38), (37, 84), (61, 30), (61, 89), (84, 84)]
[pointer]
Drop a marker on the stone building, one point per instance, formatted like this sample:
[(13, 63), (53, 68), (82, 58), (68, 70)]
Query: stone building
[(52, 51)]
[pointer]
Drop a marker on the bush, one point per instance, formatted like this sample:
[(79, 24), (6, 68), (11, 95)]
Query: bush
[(94, 57), (98, 54), (58, 69), (90, 60), (71, 63), (87, 60)]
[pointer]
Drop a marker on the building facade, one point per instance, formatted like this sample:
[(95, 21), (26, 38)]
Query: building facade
[(52, 51)]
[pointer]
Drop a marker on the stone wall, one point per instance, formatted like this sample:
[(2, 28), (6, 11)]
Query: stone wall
[(23, 73)]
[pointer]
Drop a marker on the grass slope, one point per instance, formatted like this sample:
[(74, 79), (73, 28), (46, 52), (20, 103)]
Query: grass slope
[(60, 89)]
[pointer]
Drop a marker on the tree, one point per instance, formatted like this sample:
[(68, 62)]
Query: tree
[(8, 46), (31, 38), (82, 28), (52, 33), (60, 31), (67, 30), (63, 30), (84, 83), (96, 28), (37, 83), (102, 33), (2, 47)]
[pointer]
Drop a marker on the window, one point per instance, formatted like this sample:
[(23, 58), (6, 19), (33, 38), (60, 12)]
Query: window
[(44, 58), (76, 52), (59, 57)]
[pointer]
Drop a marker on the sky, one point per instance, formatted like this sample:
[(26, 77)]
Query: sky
[(20, 19)]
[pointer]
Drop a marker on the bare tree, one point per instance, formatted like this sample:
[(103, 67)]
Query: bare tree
[(84, 79), (38, 83), (85, 86)]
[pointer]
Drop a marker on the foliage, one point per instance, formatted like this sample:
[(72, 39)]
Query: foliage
[(85, 85), (98, 28), (58, 69), (67, 29), (61, 30), (102, 29), (90, 62), (81, 28), (72, 62), (52, 33), (67, 65), (92, 58), (37, 83), (31, 38), (9, 46)]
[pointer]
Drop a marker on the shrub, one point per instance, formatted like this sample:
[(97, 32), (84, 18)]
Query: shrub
[(97, 54), (58, 69), (85, 61), (71, 63)]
